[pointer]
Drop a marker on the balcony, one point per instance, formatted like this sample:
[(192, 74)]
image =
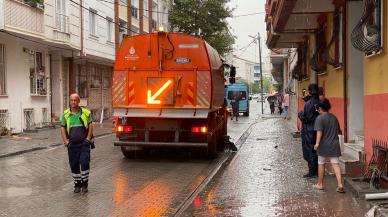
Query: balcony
[(290, 20), (277, 60), (62, 31), (24, 17)]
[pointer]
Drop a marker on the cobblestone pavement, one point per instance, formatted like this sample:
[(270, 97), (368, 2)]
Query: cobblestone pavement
[(42, 139), (39, 183), (265, 179)]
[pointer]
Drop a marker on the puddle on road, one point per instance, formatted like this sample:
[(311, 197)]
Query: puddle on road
[(15, 192)]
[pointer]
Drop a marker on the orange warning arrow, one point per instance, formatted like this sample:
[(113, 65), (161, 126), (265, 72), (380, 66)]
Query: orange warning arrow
[(151, 98)]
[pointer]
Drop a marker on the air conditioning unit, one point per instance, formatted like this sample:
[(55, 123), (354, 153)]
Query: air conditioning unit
[(40, 6)]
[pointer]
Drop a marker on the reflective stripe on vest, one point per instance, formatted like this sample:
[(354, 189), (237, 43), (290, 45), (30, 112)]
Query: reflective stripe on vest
[(84, 117)]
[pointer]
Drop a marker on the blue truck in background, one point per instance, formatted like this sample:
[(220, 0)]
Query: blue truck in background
[(238, 89)]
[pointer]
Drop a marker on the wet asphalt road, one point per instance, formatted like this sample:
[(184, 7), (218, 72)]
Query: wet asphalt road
[(40, 184), (264, 178)]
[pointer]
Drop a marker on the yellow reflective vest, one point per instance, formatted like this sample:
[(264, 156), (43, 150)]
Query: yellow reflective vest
[(84, 117)]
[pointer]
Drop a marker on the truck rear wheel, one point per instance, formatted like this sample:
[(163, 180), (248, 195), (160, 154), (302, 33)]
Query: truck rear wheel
[(212, 151), (212, 138), (222, 133), (130, 152)]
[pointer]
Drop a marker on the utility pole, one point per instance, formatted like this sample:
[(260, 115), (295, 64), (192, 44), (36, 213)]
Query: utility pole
[(261, 74)]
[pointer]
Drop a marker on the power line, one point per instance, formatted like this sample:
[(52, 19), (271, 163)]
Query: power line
[(158, 12), (244, 15), (90, 11)]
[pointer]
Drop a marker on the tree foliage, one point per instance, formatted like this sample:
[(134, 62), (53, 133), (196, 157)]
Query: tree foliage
[(267, 84), (205, 19)]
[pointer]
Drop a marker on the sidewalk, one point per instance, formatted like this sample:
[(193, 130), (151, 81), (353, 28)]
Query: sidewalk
[(265, 178), (42, 139)]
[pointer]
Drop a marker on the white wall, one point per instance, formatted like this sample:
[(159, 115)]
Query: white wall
[(1, 14), (244, 69), (356, 79), (98, 46), (52, 34), (18, 83), (57, 84)]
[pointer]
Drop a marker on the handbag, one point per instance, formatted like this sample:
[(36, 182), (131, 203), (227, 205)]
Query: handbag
[(341, 142)]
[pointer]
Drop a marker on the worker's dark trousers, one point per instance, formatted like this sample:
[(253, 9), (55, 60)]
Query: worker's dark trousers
[(309, 154), (79, 160)]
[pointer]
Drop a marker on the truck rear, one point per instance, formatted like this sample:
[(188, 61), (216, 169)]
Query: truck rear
[(168, 91)]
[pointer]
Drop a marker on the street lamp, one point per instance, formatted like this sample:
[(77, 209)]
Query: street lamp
[(261, 69)]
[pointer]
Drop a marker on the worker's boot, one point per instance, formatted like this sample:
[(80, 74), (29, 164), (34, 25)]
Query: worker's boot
[(85, 187), (77, 187)]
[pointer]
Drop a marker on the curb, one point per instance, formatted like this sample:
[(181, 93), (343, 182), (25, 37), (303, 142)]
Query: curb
[(223, 162), (41, 148)]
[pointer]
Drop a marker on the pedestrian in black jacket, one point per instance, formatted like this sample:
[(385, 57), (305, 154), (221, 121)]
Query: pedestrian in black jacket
[(307, 117)]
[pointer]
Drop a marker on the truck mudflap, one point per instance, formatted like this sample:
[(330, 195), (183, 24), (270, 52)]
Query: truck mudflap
[(159, 144)]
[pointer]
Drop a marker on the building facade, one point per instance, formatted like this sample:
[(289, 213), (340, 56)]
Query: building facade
[(339, 45), (52, 49)]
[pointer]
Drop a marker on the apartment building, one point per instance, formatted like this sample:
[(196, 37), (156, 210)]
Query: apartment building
[(51, 49), (339, 45)]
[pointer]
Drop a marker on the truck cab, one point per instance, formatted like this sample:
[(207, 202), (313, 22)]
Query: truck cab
[(238, 90)]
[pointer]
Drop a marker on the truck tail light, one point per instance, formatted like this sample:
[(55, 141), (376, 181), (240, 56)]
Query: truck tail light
[(199, 129), (124, 129)]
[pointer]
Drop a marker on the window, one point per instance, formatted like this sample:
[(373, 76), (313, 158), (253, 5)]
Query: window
[(233, 94), (124, 2), (134, 8), (3, 121), (145, 8), (134, 12), (38, 83), (3, 77), (319, 60), (92, 22), (135, 30), (44, 116), (110, 29), (82, 81), (29, 118), (154, 22), (154, 8), (62, 20), (154, 25), (123, 30), (107, 77), (95, 77)]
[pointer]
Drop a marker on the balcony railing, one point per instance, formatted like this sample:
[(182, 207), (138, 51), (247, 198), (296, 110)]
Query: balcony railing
[(22, 17), (62, 23)]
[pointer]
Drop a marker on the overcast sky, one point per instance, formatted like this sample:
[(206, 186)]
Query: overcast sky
[(242, 26)]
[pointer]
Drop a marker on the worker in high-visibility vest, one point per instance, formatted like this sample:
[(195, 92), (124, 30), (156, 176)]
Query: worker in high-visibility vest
[(77, 132)]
